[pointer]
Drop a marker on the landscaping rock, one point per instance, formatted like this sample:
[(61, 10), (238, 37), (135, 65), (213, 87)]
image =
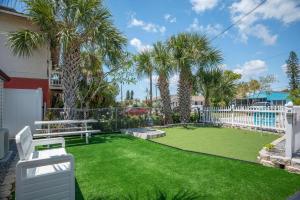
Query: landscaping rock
[(5, 187), (264, 155), (293, 169), (279, 160), (295, 163), (267, 163), (4, 194)]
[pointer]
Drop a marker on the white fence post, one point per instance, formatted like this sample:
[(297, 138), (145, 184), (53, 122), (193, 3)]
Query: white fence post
[(232, 115), (289, 132)]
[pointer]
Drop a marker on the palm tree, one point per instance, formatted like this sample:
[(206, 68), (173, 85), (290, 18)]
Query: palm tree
[(78, 24), (163, 67), (208, 82), (145, 68), (190, 50)]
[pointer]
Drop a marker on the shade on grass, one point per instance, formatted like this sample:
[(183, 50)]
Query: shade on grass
[(118, 165), (228, 142)]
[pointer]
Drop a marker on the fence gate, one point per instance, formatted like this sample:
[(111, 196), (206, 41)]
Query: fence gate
[(21, 107)]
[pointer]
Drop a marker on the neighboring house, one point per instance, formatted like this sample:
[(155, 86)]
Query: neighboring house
[(196, 101), (275, 98), (3, 78)]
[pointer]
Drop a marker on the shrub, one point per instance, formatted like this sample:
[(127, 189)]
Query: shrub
[(176, 117), (194, 117), (269, 147)]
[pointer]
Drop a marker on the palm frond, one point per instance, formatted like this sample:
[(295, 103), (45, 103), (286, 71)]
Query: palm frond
[(24, 42)]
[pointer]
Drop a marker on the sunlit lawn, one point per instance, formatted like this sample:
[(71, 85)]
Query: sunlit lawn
[(228, 142), (117, 166)]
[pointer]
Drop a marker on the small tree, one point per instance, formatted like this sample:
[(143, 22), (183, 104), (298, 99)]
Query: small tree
[(293, 71), (131, 94), (127, 95)]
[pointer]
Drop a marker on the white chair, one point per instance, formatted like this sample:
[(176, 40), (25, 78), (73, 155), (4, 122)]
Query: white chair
[(45, 174)]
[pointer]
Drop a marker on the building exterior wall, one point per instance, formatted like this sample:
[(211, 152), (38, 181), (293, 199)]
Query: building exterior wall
[(25, 72), (1, 103), (195, 101), (29, 83)]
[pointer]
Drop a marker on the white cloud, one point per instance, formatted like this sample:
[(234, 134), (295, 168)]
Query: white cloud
[(208, 29), (201, 5), (139, 46), (251, 68), (283, 11), (149, 27), (169, 18)]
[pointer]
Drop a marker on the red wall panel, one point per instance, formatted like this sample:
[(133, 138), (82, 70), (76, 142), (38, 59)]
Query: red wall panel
[(30, 83)]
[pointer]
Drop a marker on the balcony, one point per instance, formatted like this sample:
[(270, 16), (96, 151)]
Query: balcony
[(55, 78)]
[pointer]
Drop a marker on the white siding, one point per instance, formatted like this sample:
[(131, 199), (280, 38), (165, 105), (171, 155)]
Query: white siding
[(1, 103), (34, 66)]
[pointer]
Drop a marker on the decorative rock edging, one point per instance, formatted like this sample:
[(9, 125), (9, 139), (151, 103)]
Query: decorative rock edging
[(277, 159)]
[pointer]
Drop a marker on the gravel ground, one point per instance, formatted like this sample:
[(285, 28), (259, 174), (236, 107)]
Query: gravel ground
[(5, 166)]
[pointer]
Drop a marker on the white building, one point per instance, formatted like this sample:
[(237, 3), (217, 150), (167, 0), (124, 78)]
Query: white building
[(195, 101)]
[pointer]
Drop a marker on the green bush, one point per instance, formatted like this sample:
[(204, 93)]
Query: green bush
[(157, 120), (269, 147), (194, 117), (176, 117)]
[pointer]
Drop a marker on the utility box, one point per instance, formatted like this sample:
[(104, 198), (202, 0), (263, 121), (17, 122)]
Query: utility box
[(4, 142)]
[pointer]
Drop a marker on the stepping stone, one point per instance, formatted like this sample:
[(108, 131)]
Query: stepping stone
[(295, 196), (4, 194), (6, 187)]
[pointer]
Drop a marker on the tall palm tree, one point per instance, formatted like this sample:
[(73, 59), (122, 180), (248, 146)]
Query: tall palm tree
[(80, 24), (189, 51), (145, 68), (163, 67)]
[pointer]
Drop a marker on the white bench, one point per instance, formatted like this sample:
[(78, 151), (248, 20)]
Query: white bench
[(49, 131), (45, 174)]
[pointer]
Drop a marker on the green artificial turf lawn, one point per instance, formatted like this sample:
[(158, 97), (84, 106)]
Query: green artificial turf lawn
[(118, 165), (227, 142)]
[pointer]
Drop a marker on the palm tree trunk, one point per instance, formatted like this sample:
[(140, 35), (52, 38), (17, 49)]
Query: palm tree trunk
[(150, 92), (71, 72), (163, 85), (54, 54), (206, 98), (184, 93)]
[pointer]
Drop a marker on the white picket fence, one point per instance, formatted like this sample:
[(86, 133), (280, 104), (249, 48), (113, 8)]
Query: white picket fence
[(271, 118)]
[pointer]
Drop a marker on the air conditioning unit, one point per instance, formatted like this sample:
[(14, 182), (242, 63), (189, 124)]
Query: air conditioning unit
[(4, 142)]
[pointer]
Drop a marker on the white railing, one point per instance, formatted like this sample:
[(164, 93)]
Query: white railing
[(55, 78), (271, 118)]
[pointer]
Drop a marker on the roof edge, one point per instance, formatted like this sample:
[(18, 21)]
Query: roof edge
[(4, 76), (12, 11)]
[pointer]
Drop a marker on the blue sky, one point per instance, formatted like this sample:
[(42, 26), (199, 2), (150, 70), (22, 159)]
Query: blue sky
[(257, 46)]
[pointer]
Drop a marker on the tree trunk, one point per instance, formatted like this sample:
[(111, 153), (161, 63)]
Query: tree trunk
[(71, 72), (163, 85), (54, 54), (150, 92), (184, 93), (206, 98)]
